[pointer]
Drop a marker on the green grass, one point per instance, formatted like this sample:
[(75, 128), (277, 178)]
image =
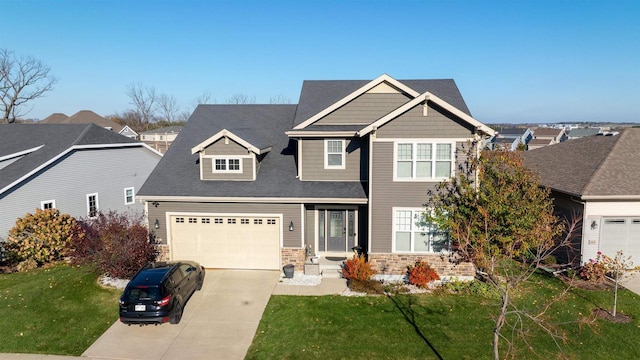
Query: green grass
[(443, 326), (58, 310)]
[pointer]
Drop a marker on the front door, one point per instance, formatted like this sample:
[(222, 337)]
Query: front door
[(337, 231)]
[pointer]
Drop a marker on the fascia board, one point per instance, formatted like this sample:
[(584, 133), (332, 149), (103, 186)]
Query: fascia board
[(224, 132), (368, 86), (20, 153), (149, 198), (315, 134)]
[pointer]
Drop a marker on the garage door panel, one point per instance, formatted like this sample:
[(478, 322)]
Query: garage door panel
[(621, 233), (232, 242)]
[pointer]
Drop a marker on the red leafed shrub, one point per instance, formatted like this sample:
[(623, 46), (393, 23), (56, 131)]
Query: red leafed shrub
[(421, 274), (117, 244), (357, 268)]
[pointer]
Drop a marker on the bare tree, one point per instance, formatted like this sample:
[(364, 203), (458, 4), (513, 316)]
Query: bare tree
[(204, 98), (143, 99), (168, 107), (279, 99), (241, 99), (22, 79)]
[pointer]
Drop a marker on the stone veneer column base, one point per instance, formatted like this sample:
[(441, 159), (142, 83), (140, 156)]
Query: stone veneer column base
[(396, 264), (293, 256), (163, 252)]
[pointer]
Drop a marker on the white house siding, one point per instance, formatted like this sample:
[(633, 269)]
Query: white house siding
[(104, 171), (596, 211)]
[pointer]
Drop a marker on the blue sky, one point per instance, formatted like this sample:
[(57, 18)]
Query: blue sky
[(513, 61)]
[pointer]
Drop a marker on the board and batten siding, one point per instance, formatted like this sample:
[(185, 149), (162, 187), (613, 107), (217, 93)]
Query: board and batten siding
[(413, 124), (246, 175), (387, 194), (220, 148), (312, 162), (364, 109), (290, 212), (106, 172)]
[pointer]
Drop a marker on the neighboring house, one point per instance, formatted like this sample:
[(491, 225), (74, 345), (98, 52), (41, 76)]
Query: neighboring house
[(511, 138), (254, 186), (597, 177), (582, 132), (538, 143), (90, 117), (160, 139), (554, 135), (78, 169)]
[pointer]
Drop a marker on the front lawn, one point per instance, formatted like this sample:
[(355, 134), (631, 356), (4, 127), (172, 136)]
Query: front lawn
[(442, 326), (57, 310)]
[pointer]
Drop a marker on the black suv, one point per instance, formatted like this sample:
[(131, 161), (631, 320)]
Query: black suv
[(159, 291)]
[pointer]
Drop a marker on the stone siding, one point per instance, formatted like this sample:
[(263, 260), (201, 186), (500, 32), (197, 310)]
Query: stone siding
[(293, 256), (396, 264), (163, 252)]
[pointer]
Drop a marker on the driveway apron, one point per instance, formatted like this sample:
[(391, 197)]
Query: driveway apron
[(219, 322)]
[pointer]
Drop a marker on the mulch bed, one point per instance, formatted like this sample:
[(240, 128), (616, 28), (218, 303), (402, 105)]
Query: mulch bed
[(606, 315)]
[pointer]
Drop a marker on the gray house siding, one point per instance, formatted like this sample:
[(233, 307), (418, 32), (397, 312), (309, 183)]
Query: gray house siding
[(106, 172), (290, 212), (387, 194), (312, 162), (220, 148), (208, 174), (413, 124), (364, 109)]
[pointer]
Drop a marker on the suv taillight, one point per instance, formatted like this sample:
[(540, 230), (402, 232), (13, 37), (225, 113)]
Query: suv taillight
[(164, 301)]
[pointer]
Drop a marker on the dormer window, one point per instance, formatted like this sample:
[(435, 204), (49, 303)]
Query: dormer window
[(334, 154), (226, 164)]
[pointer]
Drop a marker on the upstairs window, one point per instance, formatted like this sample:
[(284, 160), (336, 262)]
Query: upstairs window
[(423, 161), (92, 205), (334, 154), (128, 196), (230, 165)]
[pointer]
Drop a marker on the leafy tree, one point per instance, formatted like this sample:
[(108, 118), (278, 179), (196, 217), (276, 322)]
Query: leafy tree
[(41, 237), (22, 79), (501, 220)]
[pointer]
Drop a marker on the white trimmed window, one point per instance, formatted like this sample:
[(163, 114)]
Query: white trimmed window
[(228, 165), (334, 154), (425, 161), (128, 196), (413, 234), (47, 204), (92, 205)]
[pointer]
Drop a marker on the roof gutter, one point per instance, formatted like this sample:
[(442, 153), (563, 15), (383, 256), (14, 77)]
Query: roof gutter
[(149, 198)]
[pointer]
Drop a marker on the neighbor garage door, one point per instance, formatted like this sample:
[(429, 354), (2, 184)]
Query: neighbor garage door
[(621, 233), (229, 242)]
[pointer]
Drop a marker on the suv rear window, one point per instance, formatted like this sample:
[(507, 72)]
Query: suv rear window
[(143, 293)]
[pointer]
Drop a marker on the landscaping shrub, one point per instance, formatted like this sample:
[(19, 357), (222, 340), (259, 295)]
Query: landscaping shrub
[(357, 268), (421, 274), (40, 238), (117, 244), (475, 287), (595, 270)]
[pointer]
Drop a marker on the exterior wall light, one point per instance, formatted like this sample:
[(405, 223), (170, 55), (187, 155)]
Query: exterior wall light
[(157, 224), (291, 226)]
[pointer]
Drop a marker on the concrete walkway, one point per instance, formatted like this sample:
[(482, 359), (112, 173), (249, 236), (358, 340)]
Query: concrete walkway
[(219, 321), (632, 282)]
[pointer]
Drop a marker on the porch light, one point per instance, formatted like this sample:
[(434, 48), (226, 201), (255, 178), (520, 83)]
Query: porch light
[(157, 224), (594, 225), (291, 226)]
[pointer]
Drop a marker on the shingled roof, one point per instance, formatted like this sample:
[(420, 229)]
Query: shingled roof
[(178, 174), (25, 148), (591, 167)]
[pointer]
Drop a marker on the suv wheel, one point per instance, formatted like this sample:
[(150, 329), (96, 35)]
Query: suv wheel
[(177, 314)]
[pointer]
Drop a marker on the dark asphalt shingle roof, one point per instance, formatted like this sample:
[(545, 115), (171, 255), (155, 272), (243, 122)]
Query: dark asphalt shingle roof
[(178, 172), (56, 138), (317, 95), (591, 166)]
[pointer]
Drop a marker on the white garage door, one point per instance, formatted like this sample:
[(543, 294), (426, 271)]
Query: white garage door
[(228, 242), (621, 233)]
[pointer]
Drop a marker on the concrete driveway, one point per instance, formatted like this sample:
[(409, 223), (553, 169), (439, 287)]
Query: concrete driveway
[(219, 322), (632, 282)]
